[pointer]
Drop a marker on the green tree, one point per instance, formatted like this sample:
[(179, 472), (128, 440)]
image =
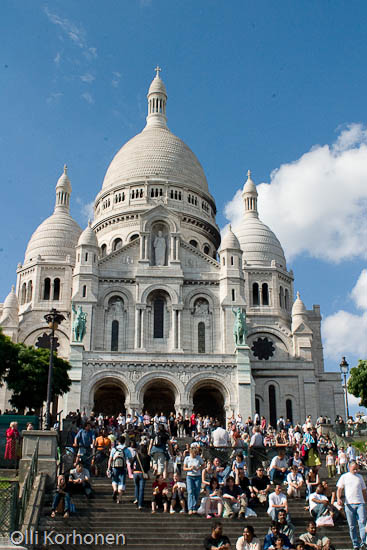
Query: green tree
[(8, 355), (28, 378), (357, 383)]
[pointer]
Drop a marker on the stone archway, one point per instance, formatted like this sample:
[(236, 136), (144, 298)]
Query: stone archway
[(109, 398), (209, 400), (159, 396)]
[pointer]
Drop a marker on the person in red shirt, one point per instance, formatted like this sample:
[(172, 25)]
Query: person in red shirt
[(193, 424), (161, 494)]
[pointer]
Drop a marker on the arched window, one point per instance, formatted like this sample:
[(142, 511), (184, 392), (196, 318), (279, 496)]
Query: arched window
[(84, 293), (23, 295), (201, 337), (265, 293), (206, 250), (232, 260), (29, 291), (233, 295), (224, 260), (255, 294), (272, 406), (115, 336), (286, 299), (47, 288), (281, 297), (117, 243), (289, 410), (194, 243), (158, 325), (257, 405), (104, 250), (133, 237), (56, 289)]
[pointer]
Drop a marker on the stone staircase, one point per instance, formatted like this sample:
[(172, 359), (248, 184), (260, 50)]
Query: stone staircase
[(146, 531)]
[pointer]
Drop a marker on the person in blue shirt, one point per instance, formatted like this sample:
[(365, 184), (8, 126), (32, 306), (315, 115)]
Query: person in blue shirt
[(117, 465), (269, 540), (84, 440)]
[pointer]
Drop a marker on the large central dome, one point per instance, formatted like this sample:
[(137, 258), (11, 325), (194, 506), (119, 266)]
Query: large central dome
[(156, 152)]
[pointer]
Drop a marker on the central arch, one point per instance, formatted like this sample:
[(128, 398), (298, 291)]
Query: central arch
[(209, 400), (159, 396), (109, 398)]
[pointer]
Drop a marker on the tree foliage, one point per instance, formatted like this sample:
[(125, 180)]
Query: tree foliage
[(25, 371), (8, 355), (357, 383)]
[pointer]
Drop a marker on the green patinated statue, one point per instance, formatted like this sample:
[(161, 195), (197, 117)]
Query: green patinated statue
[(79, 324), (239, 327)]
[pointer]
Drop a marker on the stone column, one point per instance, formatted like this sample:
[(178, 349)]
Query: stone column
[(174, 328), (137, 328), (142, 328), (246, 384)]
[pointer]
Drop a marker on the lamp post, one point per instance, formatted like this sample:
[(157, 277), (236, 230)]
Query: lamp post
[(53, 319), (344, 369)]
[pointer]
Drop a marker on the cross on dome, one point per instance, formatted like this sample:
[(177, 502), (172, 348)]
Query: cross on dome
[(157, 70), (65, 169)]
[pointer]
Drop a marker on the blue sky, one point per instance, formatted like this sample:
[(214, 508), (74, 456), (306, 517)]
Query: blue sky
[(278, 87)]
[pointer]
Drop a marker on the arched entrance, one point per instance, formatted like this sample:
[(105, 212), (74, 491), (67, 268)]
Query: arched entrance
[(109, 398), (159, 397), (209, 400)]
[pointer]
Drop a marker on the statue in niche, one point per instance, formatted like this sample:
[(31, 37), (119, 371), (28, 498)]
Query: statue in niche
[(239, 327), (159, 245), (79, 324), (201, 307)]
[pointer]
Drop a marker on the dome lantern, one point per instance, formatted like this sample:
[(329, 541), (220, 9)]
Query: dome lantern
[(157, 100), (249, 195), (63, 191)]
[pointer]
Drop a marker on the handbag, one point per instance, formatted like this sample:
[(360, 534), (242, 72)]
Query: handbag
[(325, 521), (145, 474)]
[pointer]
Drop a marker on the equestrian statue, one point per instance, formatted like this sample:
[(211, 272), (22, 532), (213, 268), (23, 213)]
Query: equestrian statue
[(239, 327), (79, 324)]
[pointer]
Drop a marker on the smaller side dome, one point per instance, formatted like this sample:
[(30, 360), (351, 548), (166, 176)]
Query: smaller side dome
[(230, 240), (88, 237), (11, 301), (299, 307), (9, 315)]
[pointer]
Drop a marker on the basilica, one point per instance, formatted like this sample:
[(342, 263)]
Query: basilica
[(160, 292)]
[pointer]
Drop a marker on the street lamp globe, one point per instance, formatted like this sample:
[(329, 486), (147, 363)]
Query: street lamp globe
[(344, 366)]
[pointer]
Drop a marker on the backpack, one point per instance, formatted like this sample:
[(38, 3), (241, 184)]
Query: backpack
[(159, 440), (119, 459)]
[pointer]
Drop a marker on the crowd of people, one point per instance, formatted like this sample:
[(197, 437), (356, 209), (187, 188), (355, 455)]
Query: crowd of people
[(209, 475)]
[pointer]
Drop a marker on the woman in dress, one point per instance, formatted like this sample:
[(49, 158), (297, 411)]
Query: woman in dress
[(12, 442)]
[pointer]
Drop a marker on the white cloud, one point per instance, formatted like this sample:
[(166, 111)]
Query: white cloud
[(88, 78), (55, 96), (86, 209), (76, 34), (57, 58), (318, 203), (116, 79), (88, 98), (359, 292), (345, 333)]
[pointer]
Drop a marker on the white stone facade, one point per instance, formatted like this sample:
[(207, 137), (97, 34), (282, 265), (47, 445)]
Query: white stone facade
[(159, 292)]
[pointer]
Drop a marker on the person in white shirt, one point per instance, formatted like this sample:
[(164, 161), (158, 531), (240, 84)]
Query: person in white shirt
[(295, 482), (248, 541), (355, 503), (220, 437), (319, 503), (351, 453), (278, 467), (277, 501)]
